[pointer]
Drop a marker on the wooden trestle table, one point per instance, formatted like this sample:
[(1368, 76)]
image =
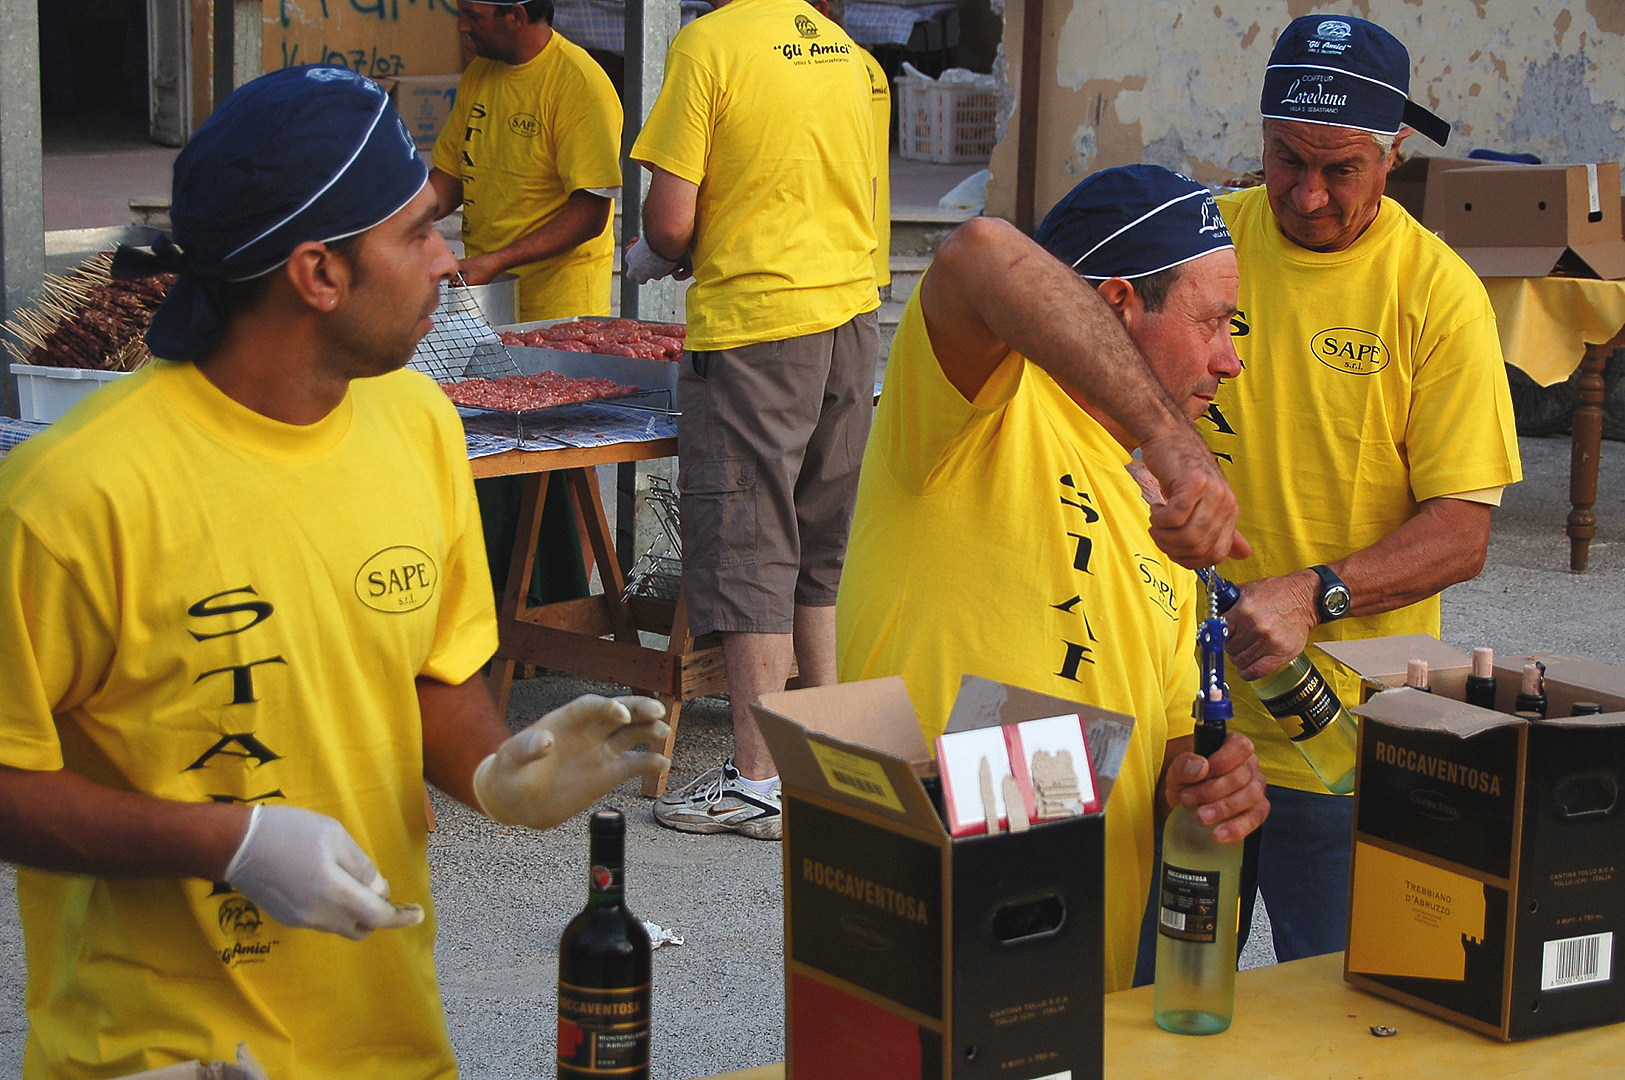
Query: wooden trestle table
[(597, 636)]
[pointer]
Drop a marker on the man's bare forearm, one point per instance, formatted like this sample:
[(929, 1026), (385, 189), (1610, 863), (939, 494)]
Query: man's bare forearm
[(59, 820), (582, 218), (993, 289), (460, 727)]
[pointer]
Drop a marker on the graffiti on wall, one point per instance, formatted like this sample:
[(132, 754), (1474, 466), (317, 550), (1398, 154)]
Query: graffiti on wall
[(377, 38)]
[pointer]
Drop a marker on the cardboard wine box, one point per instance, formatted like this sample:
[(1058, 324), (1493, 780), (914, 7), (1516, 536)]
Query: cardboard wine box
[(909, 954), (1487, 881), (1409, 181), (1531, 220)]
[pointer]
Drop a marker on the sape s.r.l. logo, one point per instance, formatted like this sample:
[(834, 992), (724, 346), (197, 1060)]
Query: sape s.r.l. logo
[(1344, 348), (806, 27), (397, 579), (524, 125)]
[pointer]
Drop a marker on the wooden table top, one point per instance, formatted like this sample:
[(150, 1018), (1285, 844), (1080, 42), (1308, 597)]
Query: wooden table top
[(1301, 1021)]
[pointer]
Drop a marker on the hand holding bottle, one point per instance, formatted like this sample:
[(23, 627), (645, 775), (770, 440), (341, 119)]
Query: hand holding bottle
[(568, 759), (1225, 790), (1270, 624)]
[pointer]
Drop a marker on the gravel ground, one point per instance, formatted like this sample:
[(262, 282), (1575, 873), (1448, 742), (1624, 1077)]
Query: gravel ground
[(504, 895)]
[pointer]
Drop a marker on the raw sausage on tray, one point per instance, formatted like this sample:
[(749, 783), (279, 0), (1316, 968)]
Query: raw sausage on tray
[(540, 391), (607, 337)]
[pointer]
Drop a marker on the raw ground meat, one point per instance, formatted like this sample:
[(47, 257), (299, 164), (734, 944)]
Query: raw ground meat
[(541, 391), (606, 337)]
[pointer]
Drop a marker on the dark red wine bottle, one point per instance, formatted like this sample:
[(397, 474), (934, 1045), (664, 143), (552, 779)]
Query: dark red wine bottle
[(604, 971)]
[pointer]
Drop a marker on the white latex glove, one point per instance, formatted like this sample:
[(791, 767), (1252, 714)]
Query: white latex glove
[(643, 264), (567, 760), (305, 870)]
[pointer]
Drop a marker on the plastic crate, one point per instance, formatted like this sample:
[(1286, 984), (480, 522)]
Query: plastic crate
[(46, 393), (948, 123)]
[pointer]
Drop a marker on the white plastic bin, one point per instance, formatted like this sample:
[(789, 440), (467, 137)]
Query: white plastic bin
[(45, 393)]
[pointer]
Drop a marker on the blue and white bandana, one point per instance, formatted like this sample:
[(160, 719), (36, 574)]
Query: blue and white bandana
[(1344, 72), (1133, 221), (305, 153)]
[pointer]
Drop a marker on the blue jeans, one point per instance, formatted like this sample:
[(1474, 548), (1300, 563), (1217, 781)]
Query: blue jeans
[(1299, 860)]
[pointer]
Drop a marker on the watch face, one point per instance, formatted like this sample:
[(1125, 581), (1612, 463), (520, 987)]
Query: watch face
[(1336, 601)]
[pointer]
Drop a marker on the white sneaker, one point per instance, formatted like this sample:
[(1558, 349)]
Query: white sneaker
[(717, 802)]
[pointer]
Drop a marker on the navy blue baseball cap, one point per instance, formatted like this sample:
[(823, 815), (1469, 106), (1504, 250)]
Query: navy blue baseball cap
[(1133, 221), (305, 153), (1344, 72)]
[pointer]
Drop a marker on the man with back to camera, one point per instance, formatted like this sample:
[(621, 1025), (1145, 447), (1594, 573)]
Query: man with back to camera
[(999, 531), (243, 612), (761, 151), (1370, 437)]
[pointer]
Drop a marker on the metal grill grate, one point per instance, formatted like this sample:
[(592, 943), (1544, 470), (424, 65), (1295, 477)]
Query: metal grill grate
[(658, 573), (462, 344)]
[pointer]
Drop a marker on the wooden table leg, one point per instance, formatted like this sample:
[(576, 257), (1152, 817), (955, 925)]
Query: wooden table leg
[(681, 642), (516, 595), (1584, 452)]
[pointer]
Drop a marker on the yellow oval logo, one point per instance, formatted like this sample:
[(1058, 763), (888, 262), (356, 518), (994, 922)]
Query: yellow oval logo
[(1343, 348), (397, 579), (524, 125)]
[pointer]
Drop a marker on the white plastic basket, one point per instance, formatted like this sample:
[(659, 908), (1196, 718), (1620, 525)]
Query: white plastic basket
[(945, 122), (46, 393)]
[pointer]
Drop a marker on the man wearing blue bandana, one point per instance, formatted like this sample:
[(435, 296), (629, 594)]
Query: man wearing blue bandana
[(243, 611), (1370, 436), (999, 531)]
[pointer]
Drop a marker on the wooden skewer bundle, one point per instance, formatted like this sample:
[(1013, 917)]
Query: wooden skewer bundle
[(85, 319)]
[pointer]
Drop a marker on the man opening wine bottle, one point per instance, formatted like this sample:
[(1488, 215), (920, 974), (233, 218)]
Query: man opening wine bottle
[(1371, 436), (243, 612), (998, 531)]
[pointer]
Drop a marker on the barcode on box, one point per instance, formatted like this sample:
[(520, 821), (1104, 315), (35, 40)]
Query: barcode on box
[(1577, 961), (1173, 920), (858, 782)]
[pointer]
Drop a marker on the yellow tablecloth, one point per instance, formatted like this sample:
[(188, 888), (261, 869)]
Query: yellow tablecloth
[(1301, 1021), (1546, 323)]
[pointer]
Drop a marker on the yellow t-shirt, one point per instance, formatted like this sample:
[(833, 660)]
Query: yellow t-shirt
[(522, 138), (200, 603), (880, 100), (766, 106), (1373, 381), (1006, 539)]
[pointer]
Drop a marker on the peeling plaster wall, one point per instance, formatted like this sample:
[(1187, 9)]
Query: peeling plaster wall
[(1176, 83)]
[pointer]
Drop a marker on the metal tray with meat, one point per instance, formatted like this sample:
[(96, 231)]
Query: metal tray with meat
[(642, 354)]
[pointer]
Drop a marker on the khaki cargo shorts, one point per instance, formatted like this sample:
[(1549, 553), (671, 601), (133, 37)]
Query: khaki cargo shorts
[(768, 450)]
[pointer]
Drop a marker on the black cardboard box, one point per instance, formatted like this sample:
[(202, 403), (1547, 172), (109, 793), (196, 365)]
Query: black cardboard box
[(1488, 850), (907, 953)]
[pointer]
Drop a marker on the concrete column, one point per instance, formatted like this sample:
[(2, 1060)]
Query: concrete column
[(22, 183), (239, 55), (650, 26)]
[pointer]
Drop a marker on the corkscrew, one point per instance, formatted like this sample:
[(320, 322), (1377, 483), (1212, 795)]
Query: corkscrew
[(1213, 709)]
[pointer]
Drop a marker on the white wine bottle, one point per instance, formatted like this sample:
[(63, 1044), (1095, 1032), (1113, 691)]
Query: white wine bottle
[(1306, 707), (1199, 886)]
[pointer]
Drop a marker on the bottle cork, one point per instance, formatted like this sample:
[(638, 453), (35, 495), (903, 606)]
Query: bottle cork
[(1483, 662), (1416, 674)]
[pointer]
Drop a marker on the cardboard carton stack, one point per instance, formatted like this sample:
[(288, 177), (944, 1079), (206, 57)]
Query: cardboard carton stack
[(910, 953), (1487, 879), (1531, 220)]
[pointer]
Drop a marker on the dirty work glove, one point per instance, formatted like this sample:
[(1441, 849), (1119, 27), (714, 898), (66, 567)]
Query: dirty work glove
[(304, 870), (644, 265), (564, 762)]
